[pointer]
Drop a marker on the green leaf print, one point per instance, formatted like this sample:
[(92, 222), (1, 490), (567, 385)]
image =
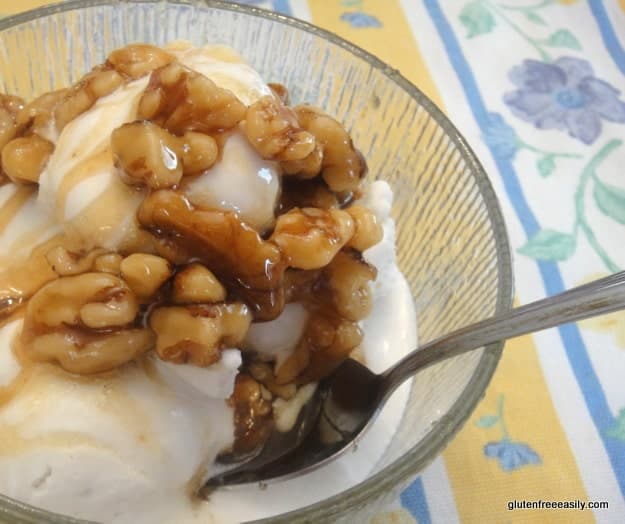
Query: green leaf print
[(546, 165), (487, 421), (618, 430), (535, 17), (610, 200), (477, 18), (548, 244), (563, 38)]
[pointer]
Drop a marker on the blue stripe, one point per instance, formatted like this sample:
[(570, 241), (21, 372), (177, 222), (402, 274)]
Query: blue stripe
[(576, 352), (610, 39), (413, 499), (282, 6)]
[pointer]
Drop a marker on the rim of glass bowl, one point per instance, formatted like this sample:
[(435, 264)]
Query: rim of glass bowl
[(442, 432)]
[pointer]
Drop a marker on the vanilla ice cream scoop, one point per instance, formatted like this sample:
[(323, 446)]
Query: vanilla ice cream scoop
[(170, 312), (100, 447)]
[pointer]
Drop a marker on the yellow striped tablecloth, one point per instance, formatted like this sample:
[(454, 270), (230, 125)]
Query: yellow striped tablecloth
[(536, 88)]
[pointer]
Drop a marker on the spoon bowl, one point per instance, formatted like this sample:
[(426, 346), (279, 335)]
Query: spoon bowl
[(347, 402)]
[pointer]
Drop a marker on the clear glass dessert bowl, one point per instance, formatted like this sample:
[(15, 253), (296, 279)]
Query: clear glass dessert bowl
[(451, 241)]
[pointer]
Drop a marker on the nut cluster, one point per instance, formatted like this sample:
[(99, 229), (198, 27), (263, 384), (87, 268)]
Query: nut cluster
[(209, 274), (23, 153), (24, 147), (94, 317), (306, 141), (150, 156)]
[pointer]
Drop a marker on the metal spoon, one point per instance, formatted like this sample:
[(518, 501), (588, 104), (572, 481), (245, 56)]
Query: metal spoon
[(347, 402)]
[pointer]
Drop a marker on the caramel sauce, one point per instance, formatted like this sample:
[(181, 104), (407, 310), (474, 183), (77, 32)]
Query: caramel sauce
[(22, 247), (253, 420), (10, 208), (89, 167), (40, 382), (20, 281), (109, 221), (8, 393)]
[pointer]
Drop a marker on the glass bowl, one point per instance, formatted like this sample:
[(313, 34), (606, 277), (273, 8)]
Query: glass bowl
[(452, 244)]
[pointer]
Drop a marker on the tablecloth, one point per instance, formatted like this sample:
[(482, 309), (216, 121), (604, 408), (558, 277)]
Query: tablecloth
[(536, 86)]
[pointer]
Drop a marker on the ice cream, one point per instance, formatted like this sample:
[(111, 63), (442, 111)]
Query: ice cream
[(129, 441)]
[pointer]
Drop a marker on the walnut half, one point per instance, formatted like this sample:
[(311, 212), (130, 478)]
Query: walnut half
[(248, 265), (86, 323), (196, 334)]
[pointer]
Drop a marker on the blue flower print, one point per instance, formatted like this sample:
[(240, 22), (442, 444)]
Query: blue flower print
[(501, 138), (511, 455), (564, 95), (360, 20)]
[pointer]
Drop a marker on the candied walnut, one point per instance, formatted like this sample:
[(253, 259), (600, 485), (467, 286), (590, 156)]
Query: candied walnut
[(101, 82), (343, 166), (108, 263), (299, 284), (149, 155), (241, 259), (263, 373), (95, 300), (167, 248), (253, 419), (137, 60), (310, 237), (85, 323), (199, 152), (146, 154), (66, 263), (274, 132), (38, 113), (24, 158), (308, 167), (295, 364), (196, 334), (84, 354), (306, 193), (81, 97), (21, 281), (348, 277), (197, 284), (280, 91), (73, 104), (330, 339), (10, 106), (183, 100), (144, 273), (368, 231)]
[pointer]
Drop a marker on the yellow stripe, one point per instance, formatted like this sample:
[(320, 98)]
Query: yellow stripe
[(393, 43), (622, 4), (481, 488), (9, 7)]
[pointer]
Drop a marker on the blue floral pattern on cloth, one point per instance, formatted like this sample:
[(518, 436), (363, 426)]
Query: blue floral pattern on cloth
[(359, 19), (564, 95), (511, 455), (501, 137)]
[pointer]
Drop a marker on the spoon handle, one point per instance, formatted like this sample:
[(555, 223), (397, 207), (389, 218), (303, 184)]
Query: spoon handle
[(595, 298)]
